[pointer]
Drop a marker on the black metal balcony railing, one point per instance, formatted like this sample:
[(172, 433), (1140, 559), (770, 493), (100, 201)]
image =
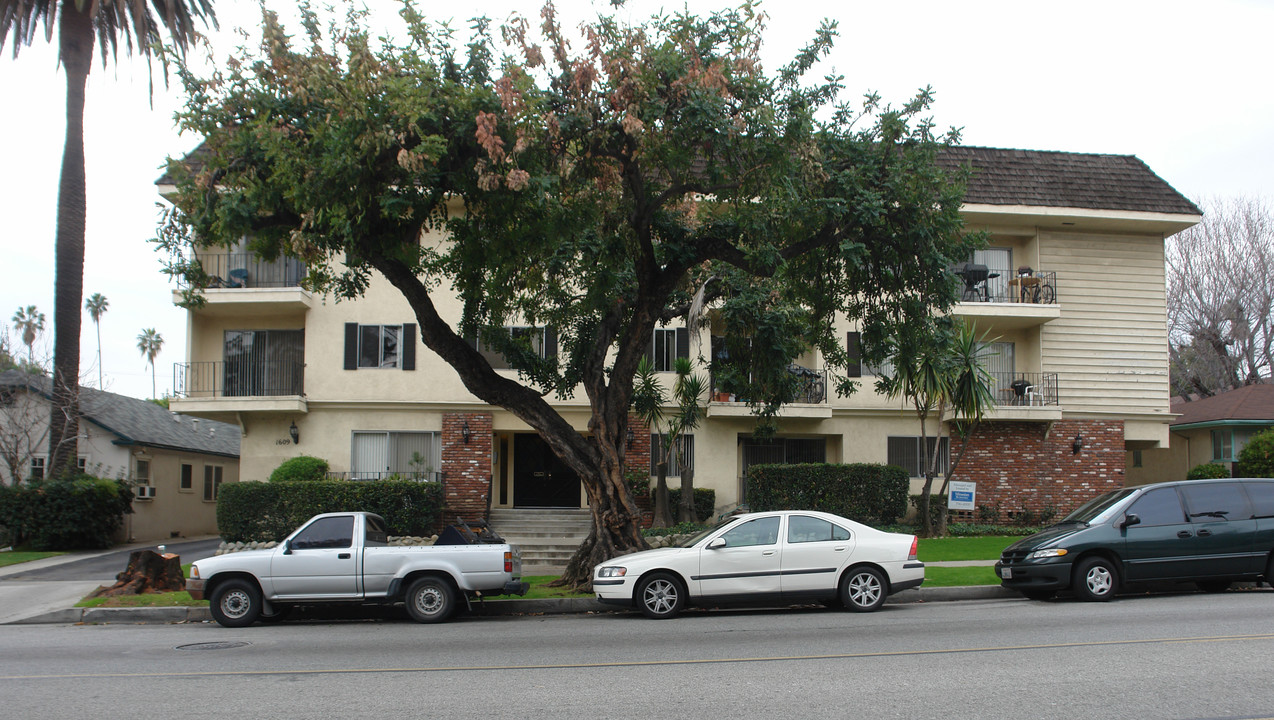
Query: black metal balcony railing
[(418, 475), (247, 378), (811, 388), (246, 270), (1024, 389), (989, 283)]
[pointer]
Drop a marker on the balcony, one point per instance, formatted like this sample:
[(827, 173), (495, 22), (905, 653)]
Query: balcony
[(1008, 299), (1025, 396), (809, 399), (239, 386), (243, 283)]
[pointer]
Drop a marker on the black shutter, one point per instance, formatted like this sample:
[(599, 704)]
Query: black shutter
[(683, 342), (854, 349), (408, 349), (550, 342), (351, 346)]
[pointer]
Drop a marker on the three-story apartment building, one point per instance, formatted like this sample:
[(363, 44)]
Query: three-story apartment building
[(1069, 292)]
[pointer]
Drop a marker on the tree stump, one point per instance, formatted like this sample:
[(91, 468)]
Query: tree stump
[(147, 572)]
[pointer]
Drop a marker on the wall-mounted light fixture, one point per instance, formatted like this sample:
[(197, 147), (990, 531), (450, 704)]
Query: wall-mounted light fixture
[(464, 432), (630, 438), (1078, 444), (296, 434)]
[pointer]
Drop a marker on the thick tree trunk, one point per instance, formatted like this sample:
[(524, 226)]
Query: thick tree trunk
[(686, 511), (663, 514), (616, 526), (147, 572), (76, 38)]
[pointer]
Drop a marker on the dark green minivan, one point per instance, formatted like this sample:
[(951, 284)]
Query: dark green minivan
[(1210, 532)]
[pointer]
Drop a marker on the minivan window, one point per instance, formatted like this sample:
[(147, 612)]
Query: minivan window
[(1262, 494), (1096, 510), (1159, 507), (1211, 502)]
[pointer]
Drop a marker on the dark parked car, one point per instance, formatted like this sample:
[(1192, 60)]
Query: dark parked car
[(1210, 532)]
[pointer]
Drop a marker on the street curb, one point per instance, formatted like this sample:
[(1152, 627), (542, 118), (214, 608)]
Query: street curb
[(550, 606)]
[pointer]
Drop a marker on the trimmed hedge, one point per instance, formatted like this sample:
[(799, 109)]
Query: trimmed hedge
[(1207, 471), (261, 512), (865, 492), (705, 502), (83, 513), (303, 468)]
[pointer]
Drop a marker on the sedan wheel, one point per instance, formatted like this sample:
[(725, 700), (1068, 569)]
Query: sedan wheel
[(863, 589), (660, 596)]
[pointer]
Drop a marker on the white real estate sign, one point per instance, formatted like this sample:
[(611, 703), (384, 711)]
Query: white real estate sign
[(961, 495)]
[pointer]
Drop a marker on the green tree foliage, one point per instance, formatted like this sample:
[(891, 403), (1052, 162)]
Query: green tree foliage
[(299, 469), (261, 512), (1205, 471), (150, 343), (1256, 459), (96, 305), (81, 25), (595, 186)]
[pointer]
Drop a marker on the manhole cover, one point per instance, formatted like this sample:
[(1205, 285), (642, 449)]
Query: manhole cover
[(225, 645)]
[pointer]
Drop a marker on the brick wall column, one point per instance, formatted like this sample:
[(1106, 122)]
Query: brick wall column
[(1018, 468), (466, 467)]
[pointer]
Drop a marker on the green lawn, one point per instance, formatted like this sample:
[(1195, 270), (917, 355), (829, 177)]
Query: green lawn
[(540, 589), (964, 548), (13, 558), (169, 599), (959, 576)]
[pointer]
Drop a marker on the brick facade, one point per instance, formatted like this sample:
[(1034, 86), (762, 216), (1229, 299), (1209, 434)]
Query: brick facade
[(637, 458), (1018, 468), (466, 467)]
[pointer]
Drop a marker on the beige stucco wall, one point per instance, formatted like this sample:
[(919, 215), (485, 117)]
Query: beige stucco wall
[(177, 512)]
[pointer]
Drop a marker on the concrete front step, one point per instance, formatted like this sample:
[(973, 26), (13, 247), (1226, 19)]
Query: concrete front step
[(546, 537)]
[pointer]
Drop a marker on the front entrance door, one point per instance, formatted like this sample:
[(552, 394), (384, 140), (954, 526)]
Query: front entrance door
[(540, 479)]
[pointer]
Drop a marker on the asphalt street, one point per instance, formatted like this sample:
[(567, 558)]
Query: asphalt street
[(1186, 655)]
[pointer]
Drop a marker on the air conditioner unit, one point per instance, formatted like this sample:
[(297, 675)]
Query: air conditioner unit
[(145, 492)]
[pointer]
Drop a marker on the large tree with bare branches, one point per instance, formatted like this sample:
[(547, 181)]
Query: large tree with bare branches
[(1220, 295), (594, 188)]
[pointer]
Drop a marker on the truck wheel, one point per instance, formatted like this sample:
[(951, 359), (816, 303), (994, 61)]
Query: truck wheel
[(430, 600), (235, 603)]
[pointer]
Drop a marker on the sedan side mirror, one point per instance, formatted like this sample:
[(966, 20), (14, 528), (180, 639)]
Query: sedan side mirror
[(287, 547), (716, 543), (1129, 520)]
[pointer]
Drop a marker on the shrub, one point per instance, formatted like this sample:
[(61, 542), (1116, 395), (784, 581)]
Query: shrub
[(1206, 471), (1256, 459), (867, 493), (678, 529), (261, 512), (937, 506), (705, 502), (303, 468), (82, 513)]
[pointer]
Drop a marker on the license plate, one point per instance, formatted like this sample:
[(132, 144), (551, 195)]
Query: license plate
[(1006, 573)]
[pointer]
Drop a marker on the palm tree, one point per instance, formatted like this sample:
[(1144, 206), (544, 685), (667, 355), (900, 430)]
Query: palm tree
[(150, 342), (30, 322), (81, 25), (96, 306)]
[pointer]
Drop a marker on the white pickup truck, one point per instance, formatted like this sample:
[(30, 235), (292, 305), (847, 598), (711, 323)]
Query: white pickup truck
[(343, 558)]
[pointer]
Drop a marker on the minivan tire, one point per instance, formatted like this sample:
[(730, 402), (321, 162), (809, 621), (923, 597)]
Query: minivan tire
[(1096, 580)]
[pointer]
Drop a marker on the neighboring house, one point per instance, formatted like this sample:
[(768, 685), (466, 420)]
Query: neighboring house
[(176, 463), (1078, 355), (1208, 430)]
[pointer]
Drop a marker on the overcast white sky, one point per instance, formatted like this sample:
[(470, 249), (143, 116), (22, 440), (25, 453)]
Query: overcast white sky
[(1181, 85)]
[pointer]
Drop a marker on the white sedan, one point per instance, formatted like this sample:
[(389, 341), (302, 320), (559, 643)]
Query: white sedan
[(786, 557)]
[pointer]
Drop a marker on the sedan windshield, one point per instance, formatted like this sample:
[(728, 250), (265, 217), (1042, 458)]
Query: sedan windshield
[(694, 539), (1100, 508)]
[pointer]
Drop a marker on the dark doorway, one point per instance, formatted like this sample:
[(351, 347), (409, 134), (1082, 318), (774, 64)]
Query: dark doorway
[(539, 478)]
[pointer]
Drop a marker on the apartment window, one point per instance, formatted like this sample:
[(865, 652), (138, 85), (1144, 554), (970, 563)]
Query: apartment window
[(1136, 458), (666, 345), (904, 451), (211, 482), (380, 346), (187, 476), (262, 363), (1223, 446), (376, 455), (141, 472), (81, 464), (37, 468), (657, 445), (542, 341)]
